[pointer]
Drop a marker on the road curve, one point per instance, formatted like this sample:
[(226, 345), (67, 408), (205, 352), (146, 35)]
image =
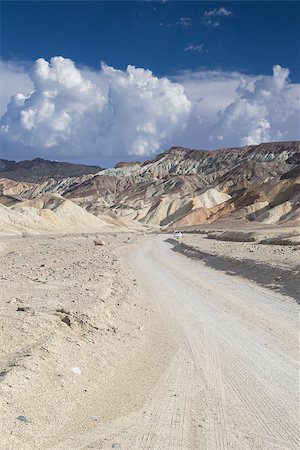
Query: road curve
[(233, 380), (233, 383)]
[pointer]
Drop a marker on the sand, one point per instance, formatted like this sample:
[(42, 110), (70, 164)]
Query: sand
[(70, 322), (273, 262), (93, 352)]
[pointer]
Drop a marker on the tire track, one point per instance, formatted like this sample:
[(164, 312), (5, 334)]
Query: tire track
[(232, 382), (167, 422)]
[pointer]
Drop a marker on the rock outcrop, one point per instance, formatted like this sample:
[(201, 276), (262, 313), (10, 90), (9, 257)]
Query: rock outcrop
[(183, 187)]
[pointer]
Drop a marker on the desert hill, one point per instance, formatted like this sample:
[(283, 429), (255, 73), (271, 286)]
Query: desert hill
[(179, 188), (39, 170)]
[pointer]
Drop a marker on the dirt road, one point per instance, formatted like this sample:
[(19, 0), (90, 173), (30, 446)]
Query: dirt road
[(232, 382)]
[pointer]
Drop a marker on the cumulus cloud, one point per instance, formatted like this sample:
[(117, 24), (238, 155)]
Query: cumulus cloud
[(210, 92), (14, 79), (263, 110), (111, 114), (131, 112), (212, 17)]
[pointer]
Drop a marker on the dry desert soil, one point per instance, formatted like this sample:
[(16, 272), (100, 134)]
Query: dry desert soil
[(146, 343)]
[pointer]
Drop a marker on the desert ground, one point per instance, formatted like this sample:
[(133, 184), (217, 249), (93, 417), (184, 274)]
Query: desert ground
[(144, 342)]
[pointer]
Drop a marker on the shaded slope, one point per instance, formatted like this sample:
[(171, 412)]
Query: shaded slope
[(186, 187), (39, 170)]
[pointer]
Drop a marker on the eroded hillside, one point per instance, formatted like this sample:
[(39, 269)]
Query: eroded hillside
[(179, 188)]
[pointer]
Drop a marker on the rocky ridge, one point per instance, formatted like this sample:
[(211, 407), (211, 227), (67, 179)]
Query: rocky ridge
[(39, 170), (185, 188)]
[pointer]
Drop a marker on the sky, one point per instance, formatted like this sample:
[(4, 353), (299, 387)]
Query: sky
[(99, 82)]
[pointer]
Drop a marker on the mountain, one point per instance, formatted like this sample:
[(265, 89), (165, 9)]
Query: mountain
[(39, 170), (185, 188)]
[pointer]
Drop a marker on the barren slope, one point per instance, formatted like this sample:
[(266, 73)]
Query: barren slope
[(184, 187), (232, 382)]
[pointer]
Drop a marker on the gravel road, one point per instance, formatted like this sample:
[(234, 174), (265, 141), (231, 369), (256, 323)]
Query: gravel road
[(232, 382)]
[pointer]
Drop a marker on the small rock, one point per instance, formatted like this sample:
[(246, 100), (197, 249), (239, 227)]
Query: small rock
[(95, 418), (24, 308), (23, 419), (116, 445), (66, 320), (98, 242), (76, 370), (63, 311)]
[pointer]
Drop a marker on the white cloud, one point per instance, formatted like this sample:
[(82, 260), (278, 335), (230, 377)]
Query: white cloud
[(67, 114), (210, 92), (218, 12), (195, 48), (262, 112), (115, 114), (260, 133), (183, 22), (212, 17), (13, 79)]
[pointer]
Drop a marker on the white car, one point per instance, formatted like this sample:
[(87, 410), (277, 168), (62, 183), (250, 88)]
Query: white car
[(177, 234)]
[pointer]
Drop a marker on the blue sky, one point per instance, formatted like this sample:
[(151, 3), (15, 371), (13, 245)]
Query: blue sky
[(232, 73), (252, 39)]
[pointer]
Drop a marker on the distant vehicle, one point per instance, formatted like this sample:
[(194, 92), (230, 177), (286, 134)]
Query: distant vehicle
[(177, 234)]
